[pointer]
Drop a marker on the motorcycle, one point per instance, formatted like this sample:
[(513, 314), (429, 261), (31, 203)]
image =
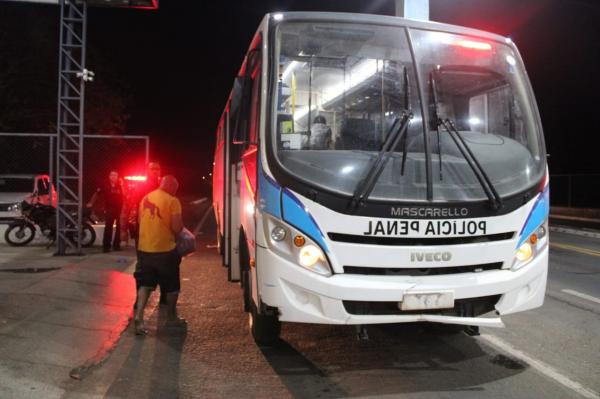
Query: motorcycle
[(22, 231)]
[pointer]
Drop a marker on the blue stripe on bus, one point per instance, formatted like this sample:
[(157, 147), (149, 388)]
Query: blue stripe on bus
[(539, 213), (296, 214), (269, 194)]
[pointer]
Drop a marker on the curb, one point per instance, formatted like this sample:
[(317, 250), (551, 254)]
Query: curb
[(83, 370), (574, 231), (80, 372)]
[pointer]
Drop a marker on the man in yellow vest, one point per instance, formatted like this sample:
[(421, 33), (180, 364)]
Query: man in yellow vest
[(160, 222)]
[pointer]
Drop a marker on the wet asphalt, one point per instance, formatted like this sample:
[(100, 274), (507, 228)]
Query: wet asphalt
[(215, 356)]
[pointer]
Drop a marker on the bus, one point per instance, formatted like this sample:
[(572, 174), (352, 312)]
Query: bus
[(373, 169)]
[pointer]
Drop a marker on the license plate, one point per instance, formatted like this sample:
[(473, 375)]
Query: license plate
[(427, 300)]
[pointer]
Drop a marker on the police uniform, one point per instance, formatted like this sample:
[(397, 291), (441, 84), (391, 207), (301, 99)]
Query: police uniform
[(113, 203)]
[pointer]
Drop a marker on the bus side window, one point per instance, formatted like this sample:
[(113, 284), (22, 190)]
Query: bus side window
[(255, 105)]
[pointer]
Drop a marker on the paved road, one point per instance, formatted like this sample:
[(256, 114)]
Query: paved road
[(551, 352)]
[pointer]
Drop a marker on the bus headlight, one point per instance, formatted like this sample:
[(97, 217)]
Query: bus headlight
[(525, 252), (296, 247), (310, 255), (531, 247), (278, 233)]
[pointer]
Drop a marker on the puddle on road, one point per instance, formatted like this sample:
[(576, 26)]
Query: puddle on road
[(31, 270)]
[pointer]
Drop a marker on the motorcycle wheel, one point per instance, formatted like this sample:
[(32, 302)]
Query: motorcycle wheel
[(19, 234), (89, 235)]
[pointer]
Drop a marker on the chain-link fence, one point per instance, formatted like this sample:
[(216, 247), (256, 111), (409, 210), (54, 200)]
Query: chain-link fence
[(35, 153)]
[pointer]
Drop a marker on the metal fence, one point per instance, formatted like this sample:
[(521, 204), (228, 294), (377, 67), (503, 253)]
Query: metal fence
[(35, 153)]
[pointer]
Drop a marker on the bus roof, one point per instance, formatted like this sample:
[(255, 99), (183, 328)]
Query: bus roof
[(385, 20)]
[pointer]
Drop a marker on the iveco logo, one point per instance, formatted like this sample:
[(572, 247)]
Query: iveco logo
[(430, 256), (429, 212)]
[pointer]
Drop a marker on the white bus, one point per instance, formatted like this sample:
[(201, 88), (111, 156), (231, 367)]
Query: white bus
[(373, 169)]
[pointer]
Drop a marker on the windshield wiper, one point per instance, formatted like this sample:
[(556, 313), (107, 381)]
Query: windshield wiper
[(437, 125), (480, 174), (407, 107), (396, 133)]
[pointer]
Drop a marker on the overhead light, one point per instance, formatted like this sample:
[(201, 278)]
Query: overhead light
[(291, 66), (357, 75)]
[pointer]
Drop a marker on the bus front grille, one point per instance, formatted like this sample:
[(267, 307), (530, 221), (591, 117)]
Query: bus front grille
[(410, 241), (428, 271), (467, 307)]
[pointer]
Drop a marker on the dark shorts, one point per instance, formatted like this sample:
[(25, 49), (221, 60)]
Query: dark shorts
[(160, 268)]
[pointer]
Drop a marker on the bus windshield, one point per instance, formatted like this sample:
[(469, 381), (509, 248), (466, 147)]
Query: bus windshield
[(341, 87)]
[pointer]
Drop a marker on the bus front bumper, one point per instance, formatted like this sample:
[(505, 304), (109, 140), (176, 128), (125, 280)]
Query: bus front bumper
[(306, 297)]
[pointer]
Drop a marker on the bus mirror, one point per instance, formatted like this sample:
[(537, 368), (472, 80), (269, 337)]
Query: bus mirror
[(240, 108)]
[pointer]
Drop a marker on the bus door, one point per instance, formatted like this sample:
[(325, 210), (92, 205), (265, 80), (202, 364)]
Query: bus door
[(233, 166)]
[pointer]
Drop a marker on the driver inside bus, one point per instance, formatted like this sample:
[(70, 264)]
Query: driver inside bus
[(320, 134)]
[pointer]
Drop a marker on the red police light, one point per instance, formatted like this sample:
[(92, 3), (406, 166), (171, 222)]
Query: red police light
[(474, 45), (135, 178)]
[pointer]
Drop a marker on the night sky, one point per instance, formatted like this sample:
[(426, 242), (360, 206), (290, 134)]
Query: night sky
[(178, 65)]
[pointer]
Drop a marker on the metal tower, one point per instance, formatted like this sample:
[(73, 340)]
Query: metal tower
[(72, 76)]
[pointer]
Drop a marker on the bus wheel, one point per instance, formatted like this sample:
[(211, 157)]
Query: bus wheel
[(445, 329), (265, 328), (245, 275), (245, 279), (220, 243)]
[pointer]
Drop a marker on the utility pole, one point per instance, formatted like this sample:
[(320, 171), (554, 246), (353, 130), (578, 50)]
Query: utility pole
[(413, 9)]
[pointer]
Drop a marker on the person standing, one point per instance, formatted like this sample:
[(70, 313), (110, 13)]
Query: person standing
[(153, 179), (160, 222), (112, 192), (152, 182)]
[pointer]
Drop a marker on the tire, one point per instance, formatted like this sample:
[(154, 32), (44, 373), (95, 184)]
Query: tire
[(19, 234), (220, 243), (446, 329), (89, 235), (265, 329), (245, 274)]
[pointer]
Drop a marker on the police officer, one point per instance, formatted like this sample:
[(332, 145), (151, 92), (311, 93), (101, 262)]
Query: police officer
[(112, 192)]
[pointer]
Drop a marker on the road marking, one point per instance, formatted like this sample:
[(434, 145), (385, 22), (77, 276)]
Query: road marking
[(574, 248), (540, 366), (582, 295)]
